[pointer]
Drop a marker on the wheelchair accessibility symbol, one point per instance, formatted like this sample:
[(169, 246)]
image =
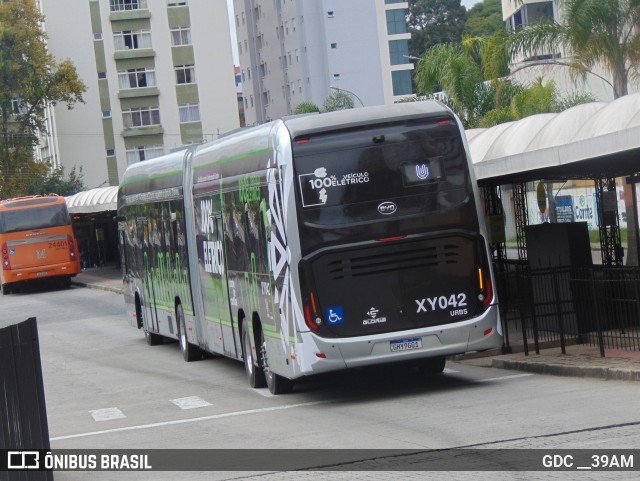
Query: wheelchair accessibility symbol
[(334, 316)]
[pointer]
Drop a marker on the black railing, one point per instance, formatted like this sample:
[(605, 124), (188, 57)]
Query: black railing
[(596, 306)]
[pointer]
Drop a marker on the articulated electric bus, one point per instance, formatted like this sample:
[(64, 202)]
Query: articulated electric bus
[(36, 241), (313, 244)]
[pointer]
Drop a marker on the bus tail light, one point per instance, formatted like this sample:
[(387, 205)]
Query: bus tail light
[(486, 289), (6, 263), (307, 318), (72, 247)]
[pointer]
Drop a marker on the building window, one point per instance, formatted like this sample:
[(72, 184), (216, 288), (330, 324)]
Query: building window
[(396, 21), (111, 152), (336, 76), (189, 113), (176, 3), (395, 1), (135, 78), (141, 117), (139, 154), (132, 40), (331, 14), (181, 36), (334, 45), (185, 74), (117, 5), (97, 36), (399, 51), (401, 80), (106, 114), (102, 75), (16, 107)]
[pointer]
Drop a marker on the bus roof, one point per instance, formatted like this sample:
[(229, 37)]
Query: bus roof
[(301, 126), (30, 201)]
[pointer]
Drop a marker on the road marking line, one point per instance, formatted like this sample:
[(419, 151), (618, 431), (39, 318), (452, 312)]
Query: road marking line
[(192, 420), (106, 414), (503, 378), (191, 402), (449, 371)]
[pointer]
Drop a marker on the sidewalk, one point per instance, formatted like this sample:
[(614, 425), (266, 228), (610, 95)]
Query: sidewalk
[(580, 361), (106, 278)]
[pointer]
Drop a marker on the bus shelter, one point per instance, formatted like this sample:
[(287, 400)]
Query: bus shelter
[(544, 160), (92, 213)]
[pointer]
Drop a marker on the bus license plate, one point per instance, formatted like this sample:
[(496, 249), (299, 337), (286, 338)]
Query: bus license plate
[(406, 344)]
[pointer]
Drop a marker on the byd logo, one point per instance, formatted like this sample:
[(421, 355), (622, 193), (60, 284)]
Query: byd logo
[(387, 208)]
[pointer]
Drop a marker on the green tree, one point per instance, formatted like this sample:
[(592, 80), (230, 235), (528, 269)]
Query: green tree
[(591, 33), (30, 80), (484, 19), (54, 182), (305, 108), (338, 100), (433, 22)]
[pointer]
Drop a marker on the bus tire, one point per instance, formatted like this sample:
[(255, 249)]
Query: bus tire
[(253, 369), (276, 383), (190, 352), (432, 365)]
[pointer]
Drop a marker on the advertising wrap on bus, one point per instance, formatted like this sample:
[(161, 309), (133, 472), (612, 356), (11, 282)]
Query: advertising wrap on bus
[(313, 244)]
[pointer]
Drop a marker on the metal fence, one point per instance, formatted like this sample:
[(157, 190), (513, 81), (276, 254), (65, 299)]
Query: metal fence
[(596, 306)]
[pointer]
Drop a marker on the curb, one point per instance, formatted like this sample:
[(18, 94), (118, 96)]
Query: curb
[(606, 373), (97, 287)]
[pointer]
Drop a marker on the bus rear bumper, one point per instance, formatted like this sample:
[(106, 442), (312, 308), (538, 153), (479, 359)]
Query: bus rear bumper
[(334, 354), (30, 273)]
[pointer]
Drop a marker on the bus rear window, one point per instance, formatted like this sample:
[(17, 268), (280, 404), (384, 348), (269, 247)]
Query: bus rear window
[(34, 218), (344, 177)]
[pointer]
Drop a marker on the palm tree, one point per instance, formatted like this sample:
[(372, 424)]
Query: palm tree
[(592, 32)]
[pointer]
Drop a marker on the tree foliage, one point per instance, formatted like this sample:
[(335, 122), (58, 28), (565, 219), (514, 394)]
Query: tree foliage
[(30, 80), (484, 19), (591, 32), (54, 182), (433, 22), (338, 100), (305, 108)]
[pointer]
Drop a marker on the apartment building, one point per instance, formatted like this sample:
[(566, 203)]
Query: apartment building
[(294, 51), (159, 75)]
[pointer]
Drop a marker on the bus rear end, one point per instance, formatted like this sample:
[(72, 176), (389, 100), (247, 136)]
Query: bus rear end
[(394, 263), (36, 241)]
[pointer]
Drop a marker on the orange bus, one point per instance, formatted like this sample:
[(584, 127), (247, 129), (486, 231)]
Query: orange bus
[(36, 241)]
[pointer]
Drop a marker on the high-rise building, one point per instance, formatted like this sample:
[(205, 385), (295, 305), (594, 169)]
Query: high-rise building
[(159, 75), (294, 51)]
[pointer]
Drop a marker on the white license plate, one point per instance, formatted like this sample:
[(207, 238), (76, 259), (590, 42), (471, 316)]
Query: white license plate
[(406, 344)]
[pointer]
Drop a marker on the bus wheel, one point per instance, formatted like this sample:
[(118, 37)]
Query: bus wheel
[(276, 383), (189, 351), (432, 365), (255, 373), (153, 339)]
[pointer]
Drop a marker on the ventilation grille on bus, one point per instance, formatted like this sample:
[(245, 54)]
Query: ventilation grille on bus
[(363, 265)]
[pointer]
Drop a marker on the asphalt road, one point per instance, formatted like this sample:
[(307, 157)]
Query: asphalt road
[(107, 389)]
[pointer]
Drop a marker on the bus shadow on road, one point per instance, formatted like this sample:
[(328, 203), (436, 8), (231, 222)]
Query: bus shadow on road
[(386, 381)]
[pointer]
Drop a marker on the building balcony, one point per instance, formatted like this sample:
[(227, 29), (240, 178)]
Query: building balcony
[(140, 131), (139, 92), (134, 53)]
